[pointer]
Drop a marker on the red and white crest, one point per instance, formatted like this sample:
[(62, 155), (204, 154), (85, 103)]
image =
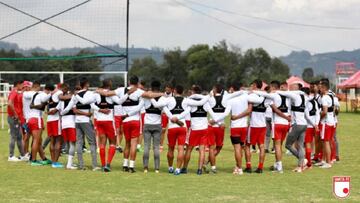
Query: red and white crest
[(341, 186)]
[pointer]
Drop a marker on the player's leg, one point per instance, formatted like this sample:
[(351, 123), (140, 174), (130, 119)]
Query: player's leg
[(110, 134), (35, 145), (219, 139), (13, 131), (301, 151), (90, 135), (147, 143), (157, 130), (201, 158), (309, 136), (187, 158), (71, 137), (57, 149), (171, 137), (79, 144)]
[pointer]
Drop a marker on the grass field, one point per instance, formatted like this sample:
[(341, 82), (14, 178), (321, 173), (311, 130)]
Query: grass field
[(21, 183)]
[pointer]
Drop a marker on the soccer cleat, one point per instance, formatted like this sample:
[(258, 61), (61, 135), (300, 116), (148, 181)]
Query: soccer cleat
[(96, 169), (236, 171), (213, 171), (145, 170), (131, 170), (205, 168), (107, 168), (24, 158), (337, 158), (13, 159), (326, 166), (125, 169), (267, 151), (199, 172), (35, 163), (119, 149), (258, 170), (45, 162), (183, 171), (157, 171), (57, 165), (177, 172), (248, 170), (71, 168), (240, 171), (319, 163), (272, 168), (171, 170)]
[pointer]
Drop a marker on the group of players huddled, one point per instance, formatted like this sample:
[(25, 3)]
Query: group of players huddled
[(305, 118)]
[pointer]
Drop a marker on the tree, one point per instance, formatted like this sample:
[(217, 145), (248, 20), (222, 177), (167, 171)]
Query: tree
[(308, 74)]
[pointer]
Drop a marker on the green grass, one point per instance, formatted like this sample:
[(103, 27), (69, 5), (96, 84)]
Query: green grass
[(21, 183)]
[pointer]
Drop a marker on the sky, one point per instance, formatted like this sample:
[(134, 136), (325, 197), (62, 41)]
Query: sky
[(167, 24)]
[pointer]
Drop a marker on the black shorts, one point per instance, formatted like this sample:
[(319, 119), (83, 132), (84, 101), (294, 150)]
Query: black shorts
[(236, 140)]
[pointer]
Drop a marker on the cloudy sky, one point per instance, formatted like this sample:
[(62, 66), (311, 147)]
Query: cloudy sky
[(167, 24)]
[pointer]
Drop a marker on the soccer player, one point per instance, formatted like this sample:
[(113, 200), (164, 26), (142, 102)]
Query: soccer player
[(152, 129), (164, 118), (327, 123), (54, 128), (68, 130), (199, 128), (84, 127), (118, 113), (174, 108), (26, 110), (312, 115), (299, 124), (281, 119), (36, 124), (14, 110), (257, 126), (240, 108)]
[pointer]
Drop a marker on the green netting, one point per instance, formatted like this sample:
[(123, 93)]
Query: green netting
[(63, 57)]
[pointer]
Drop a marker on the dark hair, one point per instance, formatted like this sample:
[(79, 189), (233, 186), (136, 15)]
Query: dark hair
[(143, 83), (179, 89), (283, 83), (36, 83), (64, 85), (258, 83), (106, 83), (219, 88), (196, 88), (325, 84), (300, 86), (306, 90), (315, 82), (168, 85), (83, 82), (134, 80), (267, 88), (155, 85), (18, 82), (236, 85), (325, 80), (49, 87), (275, 84)]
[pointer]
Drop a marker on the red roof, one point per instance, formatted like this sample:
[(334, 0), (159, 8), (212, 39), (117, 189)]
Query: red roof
[(295, 79), (352, 82)]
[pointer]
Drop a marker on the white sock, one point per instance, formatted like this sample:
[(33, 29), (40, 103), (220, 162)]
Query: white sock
[(126, 162), (171, 168), (213, 167), (279, 166), (177, 170), (70, 161), (138, 146), (132, 164)]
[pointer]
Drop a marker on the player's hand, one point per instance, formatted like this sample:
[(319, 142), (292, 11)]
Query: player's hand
[(222, 126), (52, 112), (132, 90), (105, 111), (99, 90), (180, 123), (235, 117), (174, 119), (288, 118), (124, 116), (212, 122), (317, 128)]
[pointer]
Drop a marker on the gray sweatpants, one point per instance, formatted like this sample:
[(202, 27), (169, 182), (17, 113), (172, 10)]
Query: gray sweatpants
[(82, 130), (268, 133), (152, 132), (15, 136), (297, 134)]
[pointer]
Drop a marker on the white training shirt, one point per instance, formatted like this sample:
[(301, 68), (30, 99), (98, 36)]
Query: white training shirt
[(41, 97), (27, 96), (151, 118), (237, 106), (168, 104), (314, 119), (329, 119), (55, 98), (67, 121), (133, 112), (257, 119), (297, 118)]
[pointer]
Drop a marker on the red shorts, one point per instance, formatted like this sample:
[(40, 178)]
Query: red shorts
[(309, 135), (280, 132), (35, 124), (198, 137), (188, 123), (95, 124), (53, 128), (106, 128), (69, 134), (178, 134), (164, 120), (239, 132), (131, 129), (216, 136), (118, 121), (257, 135), (327, 132)]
